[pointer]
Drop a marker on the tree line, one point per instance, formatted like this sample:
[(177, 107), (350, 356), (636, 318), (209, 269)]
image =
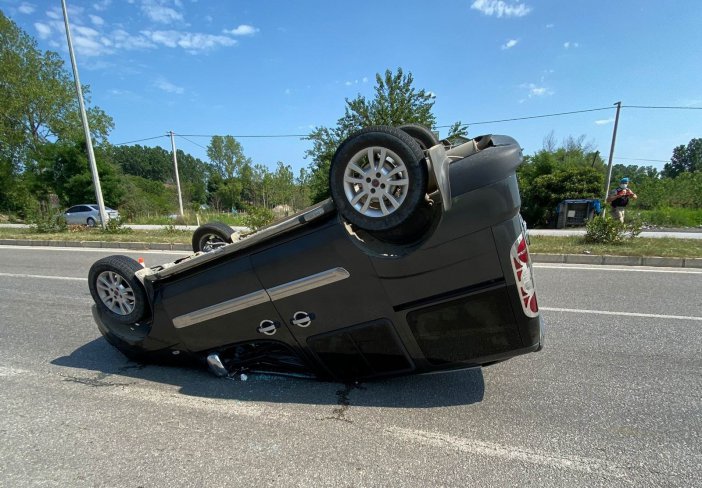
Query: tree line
[(43, 161)]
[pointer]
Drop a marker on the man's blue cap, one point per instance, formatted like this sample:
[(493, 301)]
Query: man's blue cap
[(624, 180)]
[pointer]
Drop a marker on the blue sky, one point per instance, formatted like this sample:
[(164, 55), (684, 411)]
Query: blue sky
[(277, 67)]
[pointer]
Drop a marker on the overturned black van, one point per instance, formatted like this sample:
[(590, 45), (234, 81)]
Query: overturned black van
[(417, 263)]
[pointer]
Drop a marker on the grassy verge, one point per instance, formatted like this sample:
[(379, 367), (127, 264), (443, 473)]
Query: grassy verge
[(641, 246), (161, 236), (669, 217)]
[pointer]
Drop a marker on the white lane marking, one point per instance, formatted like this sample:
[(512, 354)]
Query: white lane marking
[(43, 277), (621, 314), (10, 371), (94, 249), (602, 267), (511, 453)]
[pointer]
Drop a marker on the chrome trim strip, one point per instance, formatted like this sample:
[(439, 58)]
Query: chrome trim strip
[(219, 309), (308, 283)]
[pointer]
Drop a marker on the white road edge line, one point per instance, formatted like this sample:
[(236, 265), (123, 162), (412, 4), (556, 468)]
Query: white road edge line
[(94, 249), (621, 314), (570, 462), (43, 277), (604, 267)]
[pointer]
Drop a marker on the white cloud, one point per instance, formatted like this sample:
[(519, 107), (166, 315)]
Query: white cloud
[(167, 86), (288, 91), (549, 26), (604, 121), (536, 90), (158, 11), (102, 5), (26, 8), (500, 8), (96, 20), (242, 30), (569, 45), (190, 41), (365, 79), (124, 40), (510, 44), (44, 30)]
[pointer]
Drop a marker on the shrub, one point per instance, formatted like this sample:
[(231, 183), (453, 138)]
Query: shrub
[(115, 226), (604, 230), (48, 223), (257, 217)]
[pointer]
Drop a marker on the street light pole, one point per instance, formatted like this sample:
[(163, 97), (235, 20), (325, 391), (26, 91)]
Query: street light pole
[(175, 165), (611, 155), (84, 120)]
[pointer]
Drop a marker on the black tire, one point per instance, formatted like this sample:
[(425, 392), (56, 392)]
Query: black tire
[(210, 236), (90, 222), (115, 289), (379, 197), (424, 137)]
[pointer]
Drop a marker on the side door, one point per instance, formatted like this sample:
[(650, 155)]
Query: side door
[(325, 288), (222, 303)]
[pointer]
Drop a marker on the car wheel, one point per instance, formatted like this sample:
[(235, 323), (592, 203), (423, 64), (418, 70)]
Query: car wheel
[(211, 236), (90, 222), (378, 178), (116, 290), (424, 137)]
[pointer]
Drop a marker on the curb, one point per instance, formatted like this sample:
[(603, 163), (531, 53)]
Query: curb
[(618, 260), (654, 261), (136, 246)]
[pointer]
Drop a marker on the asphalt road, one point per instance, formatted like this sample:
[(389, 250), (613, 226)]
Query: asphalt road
[(615, 399)]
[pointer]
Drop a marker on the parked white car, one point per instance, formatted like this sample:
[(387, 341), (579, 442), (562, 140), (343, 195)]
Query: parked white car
[(87, 214)]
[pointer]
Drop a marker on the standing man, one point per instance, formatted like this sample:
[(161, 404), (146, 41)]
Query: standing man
[(619, 199)]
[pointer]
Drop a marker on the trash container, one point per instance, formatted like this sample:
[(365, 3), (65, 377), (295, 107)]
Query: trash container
[(576, 212)]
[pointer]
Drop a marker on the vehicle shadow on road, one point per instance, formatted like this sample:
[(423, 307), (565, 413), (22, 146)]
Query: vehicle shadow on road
[(419, 391)]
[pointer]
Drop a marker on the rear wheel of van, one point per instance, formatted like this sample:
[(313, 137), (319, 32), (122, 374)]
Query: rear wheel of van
[(378, 179)]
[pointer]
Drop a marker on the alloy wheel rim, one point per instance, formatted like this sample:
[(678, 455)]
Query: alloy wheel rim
[(376, 182), (115, 293)]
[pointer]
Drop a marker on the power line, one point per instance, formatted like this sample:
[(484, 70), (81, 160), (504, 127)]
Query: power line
[(531, 117), (248, 136), (191, 142), (641, 159), (662, 107), (139, 140)]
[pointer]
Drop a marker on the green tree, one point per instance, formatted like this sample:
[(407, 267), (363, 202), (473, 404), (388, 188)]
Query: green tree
[(555, 173), (227, 156), (62, 168), (685, 159), (396, 102), (38, 104)]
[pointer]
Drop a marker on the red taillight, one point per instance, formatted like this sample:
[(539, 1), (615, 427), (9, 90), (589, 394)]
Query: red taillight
[(521, 266)]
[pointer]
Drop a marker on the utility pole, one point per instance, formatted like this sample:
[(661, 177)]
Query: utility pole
[(175, 165), (84, 119), (611, 155)]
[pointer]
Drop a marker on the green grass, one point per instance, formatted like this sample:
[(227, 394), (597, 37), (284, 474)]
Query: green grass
[(167, 236), (669, 217), (640, 246), (188, 218)]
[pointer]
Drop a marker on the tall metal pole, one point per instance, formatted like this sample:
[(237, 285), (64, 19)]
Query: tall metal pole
[(84, 119), (175, 165), (611, 154)]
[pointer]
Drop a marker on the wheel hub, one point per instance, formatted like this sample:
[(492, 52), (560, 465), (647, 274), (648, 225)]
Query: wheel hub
[(115, 293), (376, 182)]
